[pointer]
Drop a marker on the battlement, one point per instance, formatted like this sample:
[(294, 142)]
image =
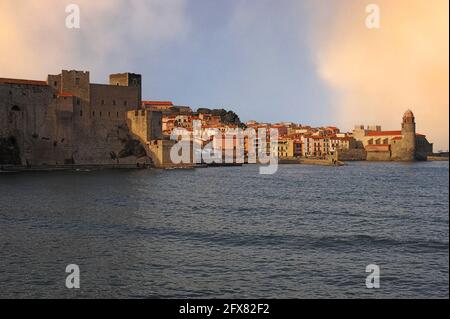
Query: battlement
[(76, 72), (125, 79), (374, 128)]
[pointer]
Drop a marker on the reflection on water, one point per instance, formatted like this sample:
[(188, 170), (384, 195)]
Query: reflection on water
[(307, 231)]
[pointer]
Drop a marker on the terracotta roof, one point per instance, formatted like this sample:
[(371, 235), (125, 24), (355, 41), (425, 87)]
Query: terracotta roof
[(384, 133), (166, 103), (65, 94), (345, 138), (20, 81), (388, 133)]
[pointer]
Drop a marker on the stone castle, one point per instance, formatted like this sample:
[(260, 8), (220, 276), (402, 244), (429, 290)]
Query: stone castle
[(402, 145), (67, 120)]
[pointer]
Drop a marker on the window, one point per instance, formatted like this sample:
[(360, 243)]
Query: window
[(100, 114), (77, 81), (78, 101), (109, 114), (55, 84), (81, 113), (103, 102), (93, 113), (114, 102), (125, 103), (117, 114)]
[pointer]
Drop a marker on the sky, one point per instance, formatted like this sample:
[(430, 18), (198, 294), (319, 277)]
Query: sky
[(313, 61)]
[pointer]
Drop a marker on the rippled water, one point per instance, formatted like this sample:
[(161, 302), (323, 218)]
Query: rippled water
[(305, 232)]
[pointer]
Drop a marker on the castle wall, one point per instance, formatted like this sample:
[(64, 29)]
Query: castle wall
[(423, 148), (27, 113), (160, 150), (352, 154), (146, 126), (103, 137), (397, 150), (378, 156), (68, 121)]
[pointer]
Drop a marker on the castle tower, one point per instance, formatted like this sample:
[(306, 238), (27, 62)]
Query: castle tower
[(128, 79), (73, 82), (409, 136)]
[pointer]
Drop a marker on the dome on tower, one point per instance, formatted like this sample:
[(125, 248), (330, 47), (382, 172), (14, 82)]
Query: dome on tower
[(408, 114)]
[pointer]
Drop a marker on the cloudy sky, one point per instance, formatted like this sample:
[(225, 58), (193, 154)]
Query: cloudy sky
[(311, 61)]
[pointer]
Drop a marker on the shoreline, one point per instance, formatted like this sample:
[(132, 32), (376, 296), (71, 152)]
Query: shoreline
[(4, 169)]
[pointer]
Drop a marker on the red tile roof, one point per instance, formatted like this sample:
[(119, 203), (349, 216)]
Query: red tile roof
[(65, 94), (384, 133), (345, 138), (165, 103), (20, 81), (388, 133)]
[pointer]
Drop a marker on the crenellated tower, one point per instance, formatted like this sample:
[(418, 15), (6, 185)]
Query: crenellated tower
[(128, 79)]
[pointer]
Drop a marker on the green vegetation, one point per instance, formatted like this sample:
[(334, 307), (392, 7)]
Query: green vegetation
[(227, 117)]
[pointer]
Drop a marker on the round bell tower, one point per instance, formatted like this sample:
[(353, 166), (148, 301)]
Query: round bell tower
[(409, 136)]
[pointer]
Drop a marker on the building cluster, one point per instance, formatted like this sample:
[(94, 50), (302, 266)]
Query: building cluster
[(363, 143), (296, 140), (67, 120)]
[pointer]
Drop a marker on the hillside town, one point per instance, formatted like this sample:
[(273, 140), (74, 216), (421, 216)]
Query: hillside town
[(303, 141)]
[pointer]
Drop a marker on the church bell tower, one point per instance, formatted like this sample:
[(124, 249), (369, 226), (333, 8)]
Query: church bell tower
[(409, 136)]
